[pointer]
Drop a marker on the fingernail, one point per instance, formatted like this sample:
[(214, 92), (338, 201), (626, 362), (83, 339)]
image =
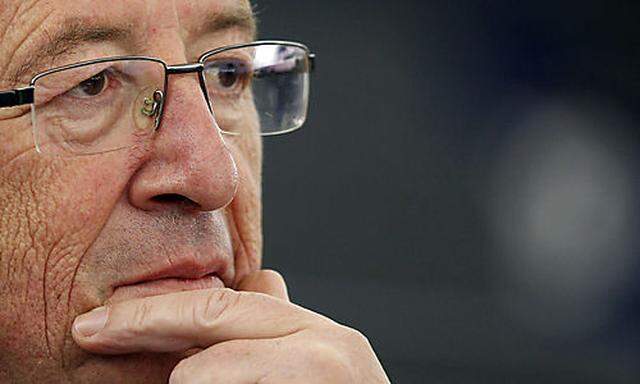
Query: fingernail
[(91, 323)]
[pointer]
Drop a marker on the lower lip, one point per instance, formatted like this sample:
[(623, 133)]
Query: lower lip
[(163, 287)]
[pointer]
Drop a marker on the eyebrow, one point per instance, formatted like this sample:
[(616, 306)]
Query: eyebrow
[(73, 33), (76, 32), (239, 17)]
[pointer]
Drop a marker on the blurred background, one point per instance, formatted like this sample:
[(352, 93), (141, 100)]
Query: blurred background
[(465, 190)]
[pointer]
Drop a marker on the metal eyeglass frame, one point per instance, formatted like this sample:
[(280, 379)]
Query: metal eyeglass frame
[(26, 95)]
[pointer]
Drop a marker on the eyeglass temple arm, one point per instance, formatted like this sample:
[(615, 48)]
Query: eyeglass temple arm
[(16, 97)]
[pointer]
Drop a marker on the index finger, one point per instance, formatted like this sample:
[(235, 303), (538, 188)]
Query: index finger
[(184, 320)]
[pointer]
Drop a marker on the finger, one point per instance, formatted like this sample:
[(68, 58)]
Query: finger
[(265, 281), (284, 360), (231, 362), (184, 320)]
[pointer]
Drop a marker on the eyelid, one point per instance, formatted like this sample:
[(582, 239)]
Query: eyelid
[(238, 55), (46, 91), (221, 60), (245, 74), (245, 68)]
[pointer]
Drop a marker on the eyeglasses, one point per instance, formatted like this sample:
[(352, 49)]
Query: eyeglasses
[(113, 103)]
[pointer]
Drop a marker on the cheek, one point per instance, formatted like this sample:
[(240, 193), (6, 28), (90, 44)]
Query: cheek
[(245, 211), (52, 210)]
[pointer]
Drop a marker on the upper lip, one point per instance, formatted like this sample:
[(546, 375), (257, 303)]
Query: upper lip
[(185, 266)]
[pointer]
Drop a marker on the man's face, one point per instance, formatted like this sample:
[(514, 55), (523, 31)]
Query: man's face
[(76, 232)]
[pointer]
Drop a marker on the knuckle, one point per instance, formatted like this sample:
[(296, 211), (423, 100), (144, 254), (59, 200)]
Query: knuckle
[(354, 337), (330, 364), (141, 317), (275, 275), (215, 304), (334, 355), (354, 341)]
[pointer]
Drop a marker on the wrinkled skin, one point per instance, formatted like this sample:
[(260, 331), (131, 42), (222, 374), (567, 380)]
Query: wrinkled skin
[(71, 227)]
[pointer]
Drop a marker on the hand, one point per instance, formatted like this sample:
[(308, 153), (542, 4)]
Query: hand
[(254, 335)]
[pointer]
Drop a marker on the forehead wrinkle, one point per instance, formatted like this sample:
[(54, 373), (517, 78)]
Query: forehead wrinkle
[(16, 40), (64, 40), (65, 36)]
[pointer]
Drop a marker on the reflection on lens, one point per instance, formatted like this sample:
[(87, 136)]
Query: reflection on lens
[(268, 83)]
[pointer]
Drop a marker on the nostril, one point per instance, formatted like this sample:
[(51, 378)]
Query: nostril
[(174, 198)]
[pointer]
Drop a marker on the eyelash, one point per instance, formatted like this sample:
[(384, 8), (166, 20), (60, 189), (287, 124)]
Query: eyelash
[(111, 80), (47, 96)]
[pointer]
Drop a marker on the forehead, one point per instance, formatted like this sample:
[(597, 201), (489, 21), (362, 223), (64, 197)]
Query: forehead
[(139, 9), (22, 14), (31, 26)]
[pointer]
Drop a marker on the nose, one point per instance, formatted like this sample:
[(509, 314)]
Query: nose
[(190, 165)]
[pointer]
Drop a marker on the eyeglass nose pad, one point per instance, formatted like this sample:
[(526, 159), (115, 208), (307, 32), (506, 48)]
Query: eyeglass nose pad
[(148, 105)]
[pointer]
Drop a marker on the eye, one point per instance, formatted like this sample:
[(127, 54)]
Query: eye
[(227, 75), (92, 86)]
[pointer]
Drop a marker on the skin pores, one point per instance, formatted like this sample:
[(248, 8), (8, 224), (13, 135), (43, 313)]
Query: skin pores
[(71, 227)]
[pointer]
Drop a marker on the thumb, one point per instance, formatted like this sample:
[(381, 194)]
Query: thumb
[(265, 281)]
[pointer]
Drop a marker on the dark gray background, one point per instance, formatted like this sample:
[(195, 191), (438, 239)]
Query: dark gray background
[(464, 191)]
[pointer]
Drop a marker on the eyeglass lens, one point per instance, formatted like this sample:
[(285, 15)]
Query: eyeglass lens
[(97, 107), (106, 106), (270, 82)]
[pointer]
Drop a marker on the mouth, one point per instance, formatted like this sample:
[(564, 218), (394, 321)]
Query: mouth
[(182, 274), (163, 287)]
